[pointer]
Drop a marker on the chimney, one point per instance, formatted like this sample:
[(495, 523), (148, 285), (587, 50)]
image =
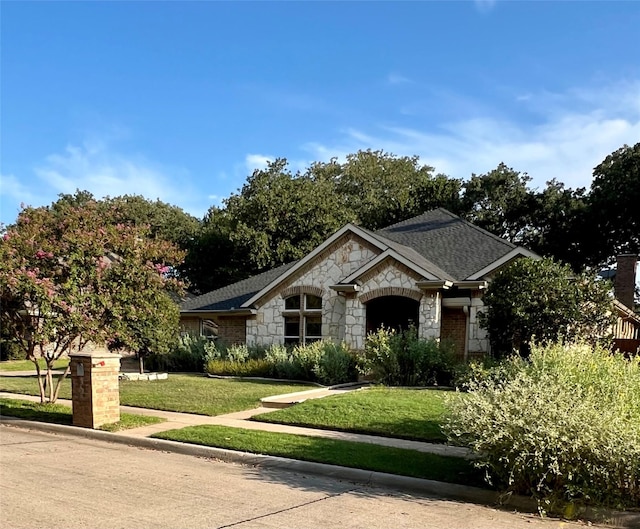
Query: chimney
[(625, 283)]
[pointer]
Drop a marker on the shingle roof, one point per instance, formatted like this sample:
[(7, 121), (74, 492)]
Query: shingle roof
[(437, 240), (234, 295), (451, 243)]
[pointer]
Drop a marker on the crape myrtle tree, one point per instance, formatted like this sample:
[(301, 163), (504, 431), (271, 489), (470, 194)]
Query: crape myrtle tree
[(542, 300), (70, 276)]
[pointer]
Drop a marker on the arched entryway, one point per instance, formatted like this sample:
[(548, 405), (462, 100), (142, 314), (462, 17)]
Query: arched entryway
[(395, 312)]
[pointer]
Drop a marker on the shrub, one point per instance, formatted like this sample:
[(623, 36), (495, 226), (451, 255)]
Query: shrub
[(336, 365), (546, 301), (188, 355), (10, 351), (322, 362), (404, 359), (251, 367), (563, 426)]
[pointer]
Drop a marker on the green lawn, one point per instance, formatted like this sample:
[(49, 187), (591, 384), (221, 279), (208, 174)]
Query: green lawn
[(331, 451), (27, 365), (183, 393), (404, 413), (61, 414)]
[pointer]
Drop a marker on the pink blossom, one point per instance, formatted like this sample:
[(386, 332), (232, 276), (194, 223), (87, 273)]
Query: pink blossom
[(161, 269)]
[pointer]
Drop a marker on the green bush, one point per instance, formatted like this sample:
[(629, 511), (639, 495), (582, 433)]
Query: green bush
[(321, 361), (251, 367), (336, 365), (403, 359), (563, 426), (10, 351), (188, 356)]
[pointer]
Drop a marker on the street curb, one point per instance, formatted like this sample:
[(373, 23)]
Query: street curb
[(617, 519)]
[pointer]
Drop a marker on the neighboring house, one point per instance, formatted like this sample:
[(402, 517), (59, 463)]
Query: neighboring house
[(429, 271), (627, 330)]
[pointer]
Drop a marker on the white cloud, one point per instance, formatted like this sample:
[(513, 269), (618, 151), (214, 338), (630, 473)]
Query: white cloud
[(570, 134), (257, 161), (95, 167)]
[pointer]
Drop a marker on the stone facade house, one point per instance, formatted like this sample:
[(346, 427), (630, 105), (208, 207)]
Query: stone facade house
[(429, 271)]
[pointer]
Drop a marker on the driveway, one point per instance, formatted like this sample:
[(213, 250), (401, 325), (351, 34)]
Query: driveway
[(50, 481)]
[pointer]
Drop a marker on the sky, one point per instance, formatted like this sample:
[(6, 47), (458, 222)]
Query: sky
[(181, 101)]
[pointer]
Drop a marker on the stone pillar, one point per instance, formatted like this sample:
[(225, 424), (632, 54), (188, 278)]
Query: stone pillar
[(95, 390)]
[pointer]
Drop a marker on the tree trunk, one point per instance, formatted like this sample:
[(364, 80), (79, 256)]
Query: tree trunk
[(59, 383), (41, 386), (141, 363)]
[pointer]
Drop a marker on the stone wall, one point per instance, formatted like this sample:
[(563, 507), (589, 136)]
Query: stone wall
[(478, 337), (335, 263), (430, 315)]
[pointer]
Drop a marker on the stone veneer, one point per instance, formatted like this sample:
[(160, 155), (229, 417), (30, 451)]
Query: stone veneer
[(477, 337), (344, 316), (338, 261)]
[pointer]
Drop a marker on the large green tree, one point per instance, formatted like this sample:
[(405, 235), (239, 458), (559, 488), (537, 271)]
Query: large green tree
[(544, 300), (70, 276), (614, 206), (557, 224), (381, 188), (500, 201), (279, 216)]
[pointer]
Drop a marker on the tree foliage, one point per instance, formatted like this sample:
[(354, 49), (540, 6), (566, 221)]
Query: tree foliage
[(614, 205), (542, 300), (70, 276), (500, 201)]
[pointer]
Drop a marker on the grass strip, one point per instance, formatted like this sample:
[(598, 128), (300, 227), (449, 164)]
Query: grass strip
[(62, 414), (414, 414), (182, 393), (27, 365), (365, 456)]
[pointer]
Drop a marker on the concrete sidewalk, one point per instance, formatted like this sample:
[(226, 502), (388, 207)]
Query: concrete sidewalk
[(175, 420)]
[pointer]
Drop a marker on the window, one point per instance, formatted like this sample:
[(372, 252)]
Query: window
[(302, 319), (208, 329)]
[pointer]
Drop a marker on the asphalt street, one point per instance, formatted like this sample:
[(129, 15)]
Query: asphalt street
[(58, 481)]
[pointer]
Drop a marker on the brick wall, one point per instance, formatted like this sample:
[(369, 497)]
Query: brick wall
[(95, 389), (190, 325), (454, 329), (232, 330), (625, 282)]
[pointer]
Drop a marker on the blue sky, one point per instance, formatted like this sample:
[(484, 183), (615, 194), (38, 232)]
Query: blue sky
[(182, 101)]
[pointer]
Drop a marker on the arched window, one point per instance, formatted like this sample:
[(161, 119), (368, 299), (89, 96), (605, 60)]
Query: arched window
[(302, 319)]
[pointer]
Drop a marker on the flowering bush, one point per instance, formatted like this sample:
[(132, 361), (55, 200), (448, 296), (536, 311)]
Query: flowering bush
[(563, 426)]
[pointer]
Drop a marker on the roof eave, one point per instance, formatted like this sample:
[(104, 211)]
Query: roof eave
[(231, 312), (518, 251)]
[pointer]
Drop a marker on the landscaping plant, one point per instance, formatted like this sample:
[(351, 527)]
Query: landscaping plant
[(562, 426), (321, 361), (402, 359)]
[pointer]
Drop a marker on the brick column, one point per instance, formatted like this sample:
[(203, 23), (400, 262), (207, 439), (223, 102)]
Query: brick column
[(95, 390), (625, 282)]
